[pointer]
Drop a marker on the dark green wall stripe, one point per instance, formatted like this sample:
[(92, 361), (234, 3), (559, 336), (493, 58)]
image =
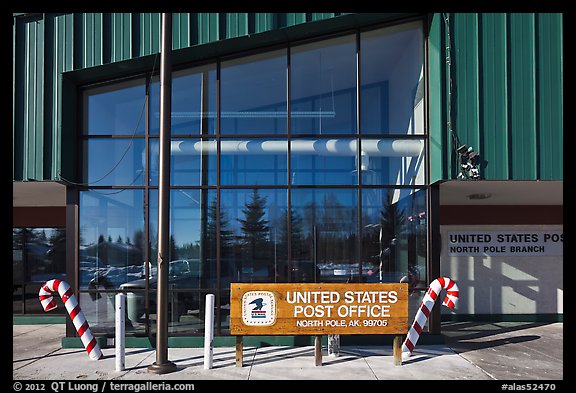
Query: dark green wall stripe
[(522, 97), (550, 90), (493, 95)]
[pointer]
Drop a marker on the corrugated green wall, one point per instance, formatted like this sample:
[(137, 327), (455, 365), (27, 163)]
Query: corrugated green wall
[(506, 70), (506, 94)]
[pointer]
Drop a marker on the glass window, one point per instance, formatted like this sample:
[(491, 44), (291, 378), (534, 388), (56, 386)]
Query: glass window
[(324, 230), (38, 255), (253, 162), (18, 251), (184, 316), (253, 94), (324, 161), (323, 87), (99, 310), (114, 161), (111, 238), (253, 233), (394, 237), (192, 244), (193, 102), (393, 161), (392, 84), (192, 162), (117, 109)]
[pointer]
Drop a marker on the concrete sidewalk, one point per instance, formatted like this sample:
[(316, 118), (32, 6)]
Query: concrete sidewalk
[(493, 351)]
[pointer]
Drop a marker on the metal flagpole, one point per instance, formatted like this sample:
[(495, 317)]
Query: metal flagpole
[(162, 365)]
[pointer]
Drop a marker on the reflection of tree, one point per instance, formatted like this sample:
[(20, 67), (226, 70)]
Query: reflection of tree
[(172, 249), (296, 236), (255, 228), (226, 235), (337, 235), (139, 239), (331, 229), (392, 220), (116, 254)]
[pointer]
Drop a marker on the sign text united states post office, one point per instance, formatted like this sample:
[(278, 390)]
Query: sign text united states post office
[(312, 309)]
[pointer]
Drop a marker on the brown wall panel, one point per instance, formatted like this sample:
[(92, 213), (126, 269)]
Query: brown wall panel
[(508, 215), (39, 217)]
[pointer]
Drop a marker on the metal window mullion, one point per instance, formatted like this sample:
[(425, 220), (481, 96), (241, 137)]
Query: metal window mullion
[(359, 157), (289, 167), (217, 218), (147, 326)]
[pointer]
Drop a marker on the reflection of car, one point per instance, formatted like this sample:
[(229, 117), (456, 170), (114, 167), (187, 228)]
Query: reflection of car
[(182, 273)]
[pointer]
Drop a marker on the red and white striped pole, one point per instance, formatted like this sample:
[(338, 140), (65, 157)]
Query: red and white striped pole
[(425, 309), (73, 308)]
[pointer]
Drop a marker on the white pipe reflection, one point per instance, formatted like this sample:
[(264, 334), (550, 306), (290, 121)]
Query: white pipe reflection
[(323, 147)]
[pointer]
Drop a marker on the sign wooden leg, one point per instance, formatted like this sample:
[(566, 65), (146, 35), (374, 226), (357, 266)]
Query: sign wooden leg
[(397, 350), (239, 346), (318, 350)]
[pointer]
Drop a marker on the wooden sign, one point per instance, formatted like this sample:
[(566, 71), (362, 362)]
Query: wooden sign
[(316, 309)]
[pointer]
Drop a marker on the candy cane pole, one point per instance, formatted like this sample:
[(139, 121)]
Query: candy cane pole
[(425, 309), (73, 308)]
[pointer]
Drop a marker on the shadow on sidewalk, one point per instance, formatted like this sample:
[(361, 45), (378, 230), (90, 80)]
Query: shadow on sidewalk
[(470, 336)]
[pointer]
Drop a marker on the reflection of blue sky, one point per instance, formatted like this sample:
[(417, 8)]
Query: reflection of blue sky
[(186, 101), (115, 161), (254, 83), (110, 215), (118, 111), (185, 214)]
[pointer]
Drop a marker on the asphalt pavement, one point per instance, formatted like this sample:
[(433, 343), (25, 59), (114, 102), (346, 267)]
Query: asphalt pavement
[(496, 351)]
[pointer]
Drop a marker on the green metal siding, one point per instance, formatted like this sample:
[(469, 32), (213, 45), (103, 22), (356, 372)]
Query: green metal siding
[(506, 72), (549, 95), (436, 97), (493, 96)]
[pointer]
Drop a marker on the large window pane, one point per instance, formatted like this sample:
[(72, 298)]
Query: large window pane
[(324, 161), (393, 161), (192, 244), (39, 255), (253, 162), (114, 162), (392, 84), (253, 94), (118, 109), (101, 313), (394, 237), (253, 235), (324, 229), (193, 102), (112, 238), (323, 87), (45, 254), (192, 162)]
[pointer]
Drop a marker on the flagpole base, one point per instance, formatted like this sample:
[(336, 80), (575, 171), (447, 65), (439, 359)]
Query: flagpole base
[(163, 368)]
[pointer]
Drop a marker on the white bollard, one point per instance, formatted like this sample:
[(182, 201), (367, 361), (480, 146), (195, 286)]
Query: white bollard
[(209, 332), (119, 340)]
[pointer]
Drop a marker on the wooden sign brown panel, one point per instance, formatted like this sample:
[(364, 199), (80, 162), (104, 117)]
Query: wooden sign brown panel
[(314, 309)]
